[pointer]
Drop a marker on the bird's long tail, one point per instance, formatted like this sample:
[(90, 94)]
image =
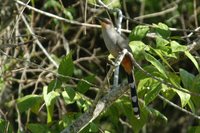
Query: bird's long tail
[(134, 97)]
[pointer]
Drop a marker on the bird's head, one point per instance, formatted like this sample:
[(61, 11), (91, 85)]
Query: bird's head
[(105, 22)]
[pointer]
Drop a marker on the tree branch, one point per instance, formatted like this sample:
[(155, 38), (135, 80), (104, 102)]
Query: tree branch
[(93, 113), (179, 108)]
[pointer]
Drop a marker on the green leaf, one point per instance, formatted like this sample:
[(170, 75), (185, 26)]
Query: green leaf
[(68, 118), (138, 48), (196, 84), (84, 85), (168, 92), (5, 126), (143, 84), (54, 84), (68, 14), (69, 95), (186, 78), (193, 129), (28, 102), (38, 128), (152, 93), (112, 113), (159, 53), (176, 47), (156, 63), (50, 99), (66, 66), (191, 105), (52, 3), (174, 79), (183, 96), (161, 42), (195, 88), (2, 83), (162, 30), (93, 128), (83, 103), (157, 113), (187, 53), (139, 32), (163, 47)]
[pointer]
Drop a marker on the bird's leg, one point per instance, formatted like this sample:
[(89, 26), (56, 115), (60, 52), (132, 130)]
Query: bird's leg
[(116, 77), (117, 64)]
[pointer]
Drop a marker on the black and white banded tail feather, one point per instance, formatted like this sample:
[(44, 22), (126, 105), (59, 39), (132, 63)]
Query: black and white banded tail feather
[(134, 97)]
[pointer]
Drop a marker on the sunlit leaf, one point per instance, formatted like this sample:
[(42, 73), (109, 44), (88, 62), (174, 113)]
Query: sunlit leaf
[(162, 30), (69, 95), (161, 42), (68, 14), (184, 97), (187, 53), (50, 99), (152, 93), (191, 105), (156, 63), (159, 53), (176, 47), (138, 48), (138, 33)]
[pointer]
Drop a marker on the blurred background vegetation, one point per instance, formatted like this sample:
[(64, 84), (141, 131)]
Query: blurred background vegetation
[(52, 67)]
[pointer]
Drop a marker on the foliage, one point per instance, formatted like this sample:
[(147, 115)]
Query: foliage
[(37, 96)]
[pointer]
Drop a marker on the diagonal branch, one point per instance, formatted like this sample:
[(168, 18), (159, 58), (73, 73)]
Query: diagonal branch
[(103, 104), (179, 108), (38, 42)]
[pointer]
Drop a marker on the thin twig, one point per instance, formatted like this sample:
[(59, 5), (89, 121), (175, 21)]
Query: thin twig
[(38, 42), (91, 25), (157, 13), (195, 13), (57, 17), (43, 69), (179, 108)]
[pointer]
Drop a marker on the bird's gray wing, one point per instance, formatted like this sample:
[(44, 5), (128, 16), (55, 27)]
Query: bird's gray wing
[(123, 42)]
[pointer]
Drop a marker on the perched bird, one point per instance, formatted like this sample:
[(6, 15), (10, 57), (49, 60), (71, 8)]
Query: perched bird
[(115, 43)]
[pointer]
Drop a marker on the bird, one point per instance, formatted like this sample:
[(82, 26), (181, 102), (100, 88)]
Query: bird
[(115, 43)]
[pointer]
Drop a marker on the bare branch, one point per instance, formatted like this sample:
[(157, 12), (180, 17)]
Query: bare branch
[(179, 108), (157, 13)]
